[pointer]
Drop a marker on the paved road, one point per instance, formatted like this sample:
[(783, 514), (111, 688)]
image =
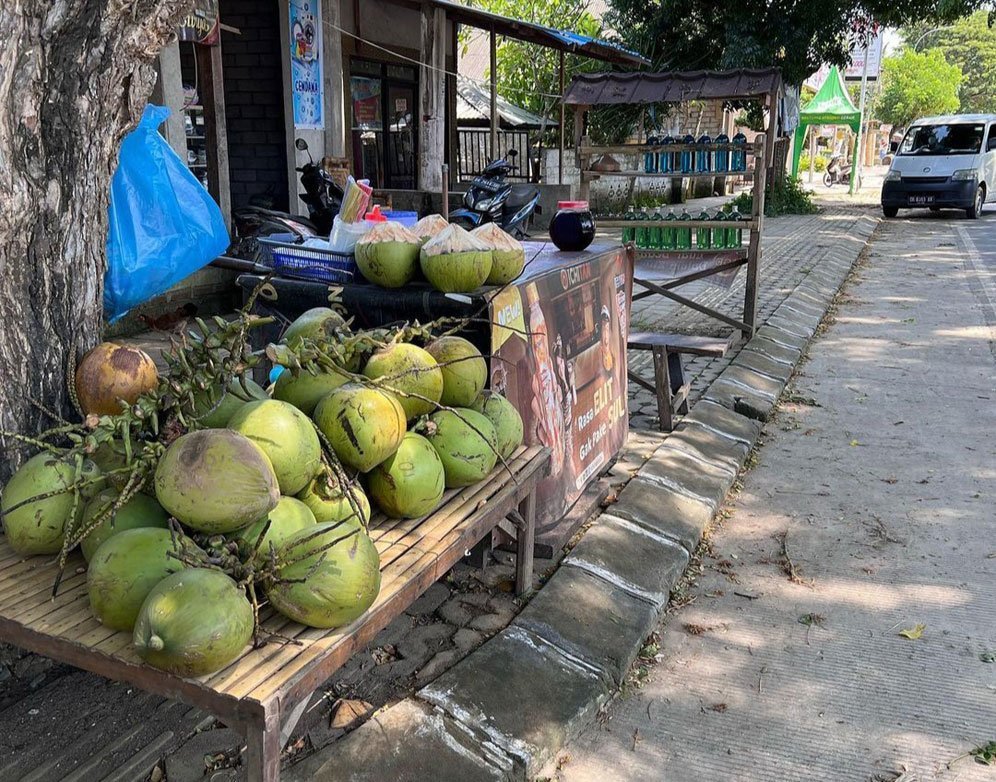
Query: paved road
[(870, 513)]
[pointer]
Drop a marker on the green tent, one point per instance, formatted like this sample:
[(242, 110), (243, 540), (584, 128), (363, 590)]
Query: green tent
[(830, 106)]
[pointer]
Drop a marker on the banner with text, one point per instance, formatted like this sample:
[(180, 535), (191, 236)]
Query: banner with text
[(307, 81)]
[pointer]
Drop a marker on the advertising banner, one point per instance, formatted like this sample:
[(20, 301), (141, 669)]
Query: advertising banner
[(874, 56), (307, 82), (201, 24), (559, 355)]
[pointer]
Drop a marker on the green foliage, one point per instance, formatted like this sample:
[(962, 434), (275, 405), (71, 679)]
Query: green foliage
[(969, 43), (797, 37), (917, 85), (786, 197)]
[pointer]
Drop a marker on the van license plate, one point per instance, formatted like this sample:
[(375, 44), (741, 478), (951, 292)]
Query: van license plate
[(918, 200)]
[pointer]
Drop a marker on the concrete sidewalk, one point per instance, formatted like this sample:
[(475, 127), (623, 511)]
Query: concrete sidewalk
[(869, 515)]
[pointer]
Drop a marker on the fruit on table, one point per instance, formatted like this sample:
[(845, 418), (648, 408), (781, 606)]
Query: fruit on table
[(454, 261), (306, 390), (429, 226), (465, 372), (504, 417), (287, 437), (216, 414), (138, 512), (408, 369), (508, 254), (111, 374), (216, 481), (290, 516), (410, 483), (466, 443), (387, 255), (329, 500), (364, 425)]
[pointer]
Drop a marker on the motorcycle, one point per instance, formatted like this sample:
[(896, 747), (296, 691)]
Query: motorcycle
[(322, 196), (490, 199), (838, 171)]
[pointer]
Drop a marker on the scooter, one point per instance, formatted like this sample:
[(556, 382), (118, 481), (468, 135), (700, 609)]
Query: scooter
[(322, 195), (490, 199), (838, 171)]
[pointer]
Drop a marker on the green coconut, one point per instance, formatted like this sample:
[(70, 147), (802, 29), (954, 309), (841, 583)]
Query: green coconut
[(306, 390), (364, 425), (508, 255), (216, 481), (330, 501), (466, 443), (318, 324), (110, 457), (454, 261), (287, 437), (409, 484), (290, 516), (193, 623), (505, 418), (138, 512), (429, 226), (465, 372), (125, 569), (387, 255), (39, 527), (408, 369), (326, 587), (217, 414)]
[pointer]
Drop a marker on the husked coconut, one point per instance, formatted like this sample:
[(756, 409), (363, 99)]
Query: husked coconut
[(430, 225), (454, 261), (509, 257), (387, 254)]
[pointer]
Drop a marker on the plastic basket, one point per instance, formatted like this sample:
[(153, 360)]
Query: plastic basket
[(308, 263)]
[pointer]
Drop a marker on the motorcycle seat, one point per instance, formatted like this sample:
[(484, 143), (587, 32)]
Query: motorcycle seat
[(519, 196)]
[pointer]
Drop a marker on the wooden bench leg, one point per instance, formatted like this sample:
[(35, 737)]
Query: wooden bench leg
[(679, 385), (524, 542), (263, 749), (662, 381)]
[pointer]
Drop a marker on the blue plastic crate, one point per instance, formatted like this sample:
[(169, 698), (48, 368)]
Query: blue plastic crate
[(310, 263)]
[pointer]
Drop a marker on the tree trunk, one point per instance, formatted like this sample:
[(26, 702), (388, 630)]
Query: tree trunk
[(74, 78)]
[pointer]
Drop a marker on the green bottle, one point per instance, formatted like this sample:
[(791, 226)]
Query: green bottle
[(643, 231), (657, 231), (629, 232), (670, 233), (734, 236), (719, 234), (703, 236), (685, 234)]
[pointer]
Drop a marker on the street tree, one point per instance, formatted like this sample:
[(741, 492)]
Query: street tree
[(969, 43), (917, 84), (74, 78)]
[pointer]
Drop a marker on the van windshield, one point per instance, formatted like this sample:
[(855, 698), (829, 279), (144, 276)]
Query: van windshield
[(957, 139)]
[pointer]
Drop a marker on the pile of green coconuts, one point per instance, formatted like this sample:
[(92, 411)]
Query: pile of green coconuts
[(198, 497)]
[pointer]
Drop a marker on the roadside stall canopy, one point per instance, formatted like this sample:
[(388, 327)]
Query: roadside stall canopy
[(606, 89), (830, 106)]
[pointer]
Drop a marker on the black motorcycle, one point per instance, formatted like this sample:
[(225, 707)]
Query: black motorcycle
[(490, 199), (322, 195)]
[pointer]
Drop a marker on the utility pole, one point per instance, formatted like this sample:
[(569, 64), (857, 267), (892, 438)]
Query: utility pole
[(856, 161)]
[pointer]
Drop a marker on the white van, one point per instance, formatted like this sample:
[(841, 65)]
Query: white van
[(944, 162)]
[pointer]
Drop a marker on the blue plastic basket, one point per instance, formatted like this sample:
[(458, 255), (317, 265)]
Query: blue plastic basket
[(309, 263)]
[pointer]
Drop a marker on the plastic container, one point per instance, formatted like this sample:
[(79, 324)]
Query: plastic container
[(344, 236), (722, 156), (310, 263), (703, 157), (407, 219), (650, 164), (739, 161), (703, 236), (573, 227), (686, 156)]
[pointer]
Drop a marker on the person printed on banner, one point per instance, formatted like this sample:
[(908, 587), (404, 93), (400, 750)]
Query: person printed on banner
[(605, 340)]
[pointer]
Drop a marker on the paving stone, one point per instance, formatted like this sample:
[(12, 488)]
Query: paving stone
[(424, 641), (430, 600), (441, 661), (803, 306), (740, 400), (781, 337), (522, 695), (674, 469), (456, 612), (710, 444), (466, 639), (786, 324), (775, 350), (590, 618), (186, 764), (751, 381), (628, 555), (408, 742), (719, 419), (491, 623), (758, 362), (392, 634), (664, 511)]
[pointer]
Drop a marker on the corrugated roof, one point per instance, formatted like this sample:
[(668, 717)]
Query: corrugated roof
[(602, 89), (474, 105)]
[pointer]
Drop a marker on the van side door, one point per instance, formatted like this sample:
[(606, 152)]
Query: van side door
[(988, 167)]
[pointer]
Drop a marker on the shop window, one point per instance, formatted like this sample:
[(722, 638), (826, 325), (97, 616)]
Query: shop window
[(384, 132)]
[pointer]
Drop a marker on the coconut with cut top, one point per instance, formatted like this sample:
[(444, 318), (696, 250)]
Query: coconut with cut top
[(455, 261), (387, 254), (508, 255), (430, 225)]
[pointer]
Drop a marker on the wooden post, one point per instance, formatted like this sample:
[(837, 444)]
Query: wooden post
[(212, 87), (169, 92), (432, 79), (763, 154), (582, 160), (335, 84), (452, 121), (563, 124), (525, 541), (494, 96)]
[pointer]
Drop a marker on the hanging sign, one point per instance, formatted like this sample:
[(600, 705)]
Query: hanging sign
[(307, 83), (201, 24), (873, 53)]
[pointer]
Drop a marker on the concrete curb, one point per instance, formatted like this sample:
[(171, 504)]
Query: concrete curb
[(506, 710)]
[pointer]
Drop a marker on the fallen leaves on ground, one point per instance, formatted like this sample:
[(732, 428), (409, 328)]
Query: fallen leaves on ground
[(914, 633), (986, 754), (988, 657), (812, 619), (349, 712)]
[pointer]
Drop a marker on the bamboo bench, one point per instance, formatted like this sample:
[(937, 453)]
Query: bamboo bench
[(267, 689), (670, 385)]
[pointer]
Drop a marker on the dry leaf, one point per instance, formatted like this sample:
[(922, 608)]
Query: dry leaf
[(855, 442), (349, 713), (914, 633)]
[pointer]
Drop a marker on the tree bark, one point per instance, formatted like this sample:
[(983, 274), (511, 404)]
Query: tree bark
[(74, 78)]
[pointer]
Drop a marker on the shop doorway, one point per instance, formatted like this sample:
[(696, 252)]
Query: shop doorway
[(384, 134)]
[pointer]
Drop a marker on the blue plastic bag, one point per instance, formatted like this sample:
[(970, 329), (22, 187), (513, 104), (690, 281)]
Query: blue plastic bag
[(164, 225)]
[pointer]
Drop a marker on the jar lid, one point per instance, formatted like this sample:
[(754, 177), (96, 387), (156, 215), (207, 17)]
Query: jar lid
[(575, 206)]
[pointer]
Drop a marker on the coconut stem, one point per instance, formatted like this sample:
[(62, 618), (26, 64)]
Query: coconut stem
[(155, 643)]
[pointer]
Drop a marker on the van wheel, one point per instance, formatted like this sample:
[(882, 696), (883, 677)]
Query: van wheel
[(890, 211), (974, 212)]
